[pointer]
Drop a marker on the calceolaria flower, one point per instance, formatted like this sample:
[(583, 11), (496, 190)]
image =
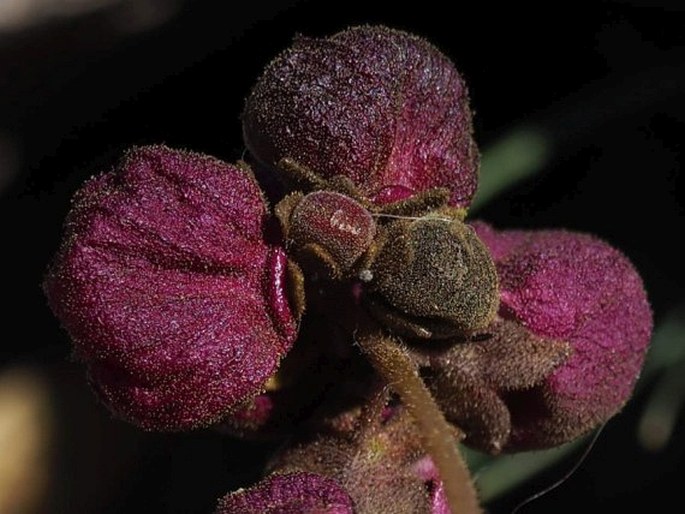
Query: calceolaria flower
[(169, 289), (356, 310)]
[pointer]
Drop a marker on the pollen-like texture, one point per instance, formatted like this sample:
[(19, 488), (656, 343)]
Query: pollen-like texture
[(382, 107), (292, 493), (576, 288), (438, 270), (168, 289)]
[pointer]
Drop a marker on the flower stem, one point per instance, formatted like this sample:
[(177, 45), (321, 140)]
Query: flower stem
[(392, 362)]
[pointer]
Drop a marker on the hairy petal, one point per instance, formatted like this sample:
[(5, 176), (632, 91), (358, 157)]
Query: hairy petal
[(291, 493), (380, 106), (575, 288), (439, 271), (170, 292)]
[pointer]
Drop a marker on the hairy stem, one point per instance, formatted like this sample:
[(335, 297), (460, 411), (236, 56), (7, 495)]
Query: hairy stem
[(371, 417), (391, 361)]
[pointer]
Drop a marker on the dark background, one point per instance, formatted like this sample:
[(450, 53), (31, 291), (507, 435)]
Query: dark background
[(604, 81)]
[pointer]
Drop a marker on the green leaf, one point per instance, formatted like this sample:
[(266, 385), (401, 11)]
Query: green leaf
[(506, 472), (666, 359), (520, 154), (668, 343)]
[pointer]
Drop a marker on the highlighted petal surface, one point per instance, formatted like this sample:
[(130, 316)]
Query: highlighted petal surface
[(576, 288), (380, 106), (293, 493), (168, 289)]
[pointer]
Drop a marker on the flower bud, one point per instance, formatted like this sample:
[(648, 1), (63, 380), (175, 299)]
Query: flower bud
[(437, 272), (290, 493), (171, 294), (379, 106), (574, 288), (383, 468), (334, 224)]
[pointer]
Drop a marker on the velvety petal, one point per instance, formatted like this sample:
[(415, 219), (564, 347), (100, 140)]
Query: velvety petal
[(575, 288), (292, 493), (170, 292), (382, 107)]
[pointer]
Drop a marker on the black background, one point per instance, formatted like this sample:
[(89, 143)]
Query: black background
[(605, 80)]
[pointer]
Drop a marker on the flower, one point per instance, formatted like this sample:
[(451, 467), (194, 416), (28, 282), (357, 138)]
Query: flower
[(170, 292), (291, 493), (381, 468), (192, 302), (563, 357), (575, 288)]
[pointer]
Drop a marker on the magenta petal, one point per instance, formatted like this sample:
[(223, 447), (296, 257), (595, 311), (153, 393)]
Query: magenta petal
[(382, 107), (427, 471), (168, 289), (576, 288), (293, 493)]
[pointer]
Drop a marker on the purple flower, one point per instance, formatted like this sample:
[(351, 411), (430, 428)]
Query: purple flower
[(382, 107), (290, 493), (184, 294), (169, 290), (574, 288), (381, 469)]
